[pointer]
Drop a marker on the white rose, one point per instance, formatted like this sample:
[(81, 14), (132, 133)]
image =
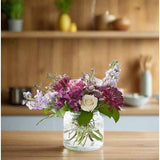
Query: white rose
[(89, 103)]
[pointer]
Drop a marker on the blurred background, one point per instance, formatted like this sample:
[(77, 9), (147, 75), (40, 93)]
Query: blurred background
[(40, 36)]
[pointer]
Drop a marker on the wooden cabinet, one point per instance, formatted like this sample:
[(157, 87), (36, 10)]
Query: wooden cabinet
[(29, 55)]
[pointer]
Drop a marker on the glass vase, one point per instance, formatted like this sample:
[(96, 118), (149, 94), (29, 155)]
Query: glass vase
[(83, 138)]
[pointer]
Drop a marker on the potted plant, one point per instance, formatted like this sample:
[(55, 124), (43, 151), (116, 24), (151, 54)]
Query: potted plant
[(4, 24), (14, 10), (64, 20)]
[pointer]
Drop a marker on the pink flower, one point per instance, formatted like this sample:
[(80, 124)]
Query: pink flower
[(75, 84), (61, 84)]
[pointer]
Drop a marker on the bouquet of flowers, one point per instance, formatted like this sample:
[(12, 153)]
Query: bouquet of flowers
[(85, 96)]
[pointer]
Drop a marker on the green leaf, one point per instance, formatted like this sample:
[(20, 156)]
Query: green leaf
[(99, 133), (13, 8), (50, 116), (115, 114), (46, 110), (105, 110), (60, 112), (100, 103), (84, 118), (63, 5), (95, 136)]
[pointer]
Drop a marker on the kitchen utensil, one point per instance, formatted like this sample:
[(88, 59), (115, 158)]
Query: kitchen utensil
[(102, 21), (121, 24), (148, 62), (135, 99), (16, 95), (145, 62)]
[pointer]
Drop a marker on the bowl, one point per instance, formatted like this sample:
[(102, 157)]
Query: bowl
[(135, 99)]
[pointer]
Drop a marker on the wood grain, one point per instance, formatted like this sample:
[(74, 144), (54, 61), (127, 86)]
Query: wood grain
[(143, 14), (82, 34), (151, 108), (48, 145), (25, 61)]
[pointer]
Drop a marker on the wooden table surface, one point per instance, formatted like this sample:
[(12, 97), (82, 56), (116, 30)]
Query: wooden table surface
[(48, 145)]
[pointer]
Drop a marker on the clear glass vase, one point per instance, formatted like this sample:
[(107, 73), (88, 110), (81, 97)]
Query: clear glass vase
[(83, 138)]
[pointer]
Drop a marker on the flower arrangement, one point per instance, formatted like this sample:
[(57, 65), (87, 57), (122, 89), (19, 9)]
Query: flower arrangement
[(84, 96)]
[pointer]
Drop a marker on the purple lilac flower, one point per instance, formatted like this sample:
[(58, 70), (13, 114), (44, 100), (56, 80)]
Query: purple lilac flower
[(98, 94), (73, 97), (98, 81), (113, 97), (41, 101), (112, 75), (60, 100), (72, 94), (27, 95), (50, 97), (61, 84)]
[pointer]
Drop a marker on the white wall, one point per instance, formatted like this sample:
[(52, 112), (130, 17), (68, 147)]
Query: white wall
[(126, 123)]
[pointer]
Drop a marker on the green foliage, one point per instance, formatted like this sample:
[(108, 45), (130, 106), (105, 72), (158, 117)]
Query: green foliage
[(115, 114), (63, 5), (99, 138), (49, 108), (50, 116), (13, 8), (60, 112), (104, 109), (84, 118)]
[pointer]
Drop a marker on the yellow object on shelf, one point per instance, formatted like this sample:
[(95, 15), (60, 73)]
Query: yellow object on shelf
[(73, 27), (64, 22)]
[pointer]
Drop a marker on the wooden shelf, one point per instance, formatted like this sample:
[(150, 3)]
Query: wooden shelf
[(151, 108), (81, 34)]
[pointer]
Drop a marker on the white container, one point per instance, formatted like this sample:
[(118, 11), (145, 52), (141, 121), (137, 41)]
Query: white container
[(146, 83), (15, 25), (135, 99)]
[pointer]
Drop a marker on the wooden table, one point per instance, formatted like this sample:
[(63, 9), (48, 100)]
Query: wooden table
[(47, 145)]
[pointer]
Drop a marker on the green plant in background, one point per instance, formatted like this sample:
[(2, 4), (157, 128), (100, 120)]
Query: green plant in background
[(13, 8), (64, 21), (63, 5)]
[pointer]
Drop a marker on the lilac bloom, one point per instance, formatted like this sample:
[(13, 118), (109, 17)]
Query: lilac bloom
[(27, 95), (112, 75), (41, 101)]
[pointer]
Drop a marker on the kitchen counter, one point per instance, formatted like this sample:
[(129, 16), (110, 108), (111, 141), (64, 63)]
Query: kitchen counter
[(47, 145), (151, 108)]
